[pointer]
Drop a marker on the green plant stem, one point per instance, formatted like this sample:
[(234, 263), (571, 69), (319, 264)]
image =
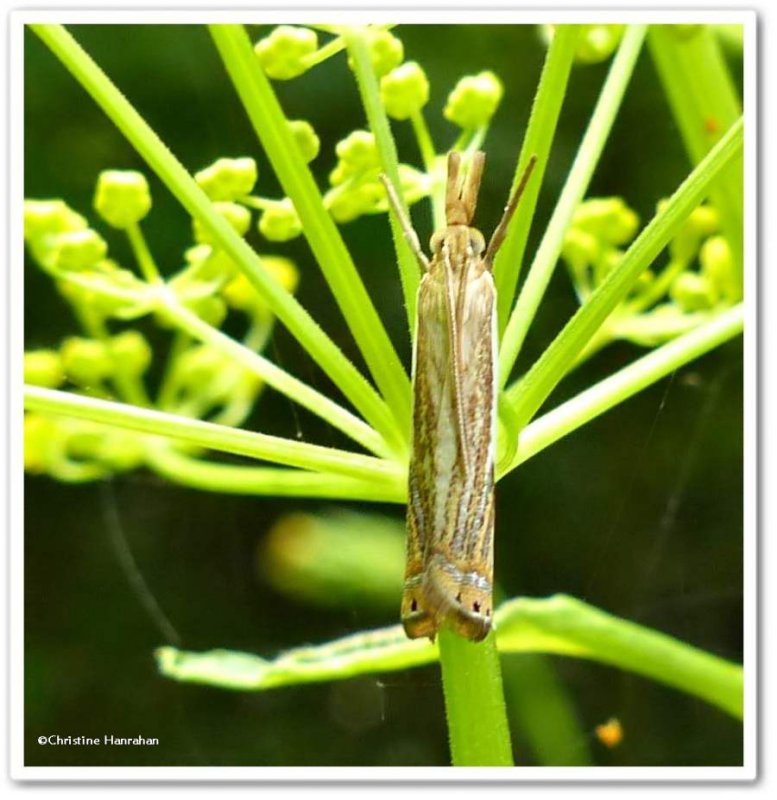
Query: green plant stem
[(266, 481), (705, 105), (143, 256), (295, 389), (214, 437), (474, 702), (323, 236), (424, 139), (560, 625), (356, 39), (537, 141), (621, 385), (574, 190), (291, 314), (532, 390)]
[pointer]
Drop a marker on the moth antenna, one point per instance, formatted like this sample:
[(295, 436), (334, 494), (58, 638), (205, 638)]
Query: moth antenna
[(498, 236)]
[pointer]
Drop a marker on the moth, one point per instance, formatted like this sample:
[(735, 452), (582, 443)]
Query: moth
[(450, 511)]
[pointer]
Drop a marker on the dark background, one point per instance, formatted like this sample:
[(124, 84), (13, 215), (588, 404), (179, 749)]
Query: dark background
[(639, 512)]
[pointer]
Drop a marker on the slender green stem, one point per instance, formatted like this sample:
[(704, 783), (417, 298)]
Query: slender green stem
[(266, 481), (214, 437), (572, 194), (356, 39), (537, 141), (291, 314), (323, 53), (424, 139), (272, 128), (705, 104), (336, 45), (625, 383), (143, 255), (292, 387), (532, 390), (474, 702)]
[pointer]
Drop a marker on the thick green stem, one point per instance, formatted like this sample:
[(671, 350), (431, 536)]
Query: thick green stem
[(474, 702)]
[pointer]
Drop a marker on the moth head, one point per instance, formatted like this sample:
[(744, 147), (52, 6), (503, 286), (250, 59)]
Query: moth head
[(459, 236)]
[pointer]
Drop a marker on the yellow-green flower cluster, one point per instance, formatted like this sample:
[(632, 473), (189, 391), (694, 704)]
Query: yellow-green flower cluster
[(698, 278), (592, 246), (355, 179), (284, 54)]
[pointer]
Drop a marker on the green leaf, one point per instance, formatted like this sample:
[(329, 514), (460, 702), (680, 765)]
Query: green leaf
[(559, 624)]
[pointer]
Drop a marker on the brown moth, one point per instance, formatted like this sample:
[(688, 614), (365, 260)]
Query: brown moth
[(450, 511)]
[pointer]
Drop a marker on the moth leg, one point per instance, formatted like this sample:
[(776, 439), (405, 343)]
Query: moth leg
[(500, 233), (407, 227)]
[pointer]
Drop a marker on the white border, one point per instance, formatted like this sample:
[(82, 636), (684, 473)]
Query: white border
[(401, 13)]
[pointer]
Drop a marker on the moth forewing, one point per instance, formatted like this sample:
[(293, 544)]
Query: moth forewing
[(450, 518)]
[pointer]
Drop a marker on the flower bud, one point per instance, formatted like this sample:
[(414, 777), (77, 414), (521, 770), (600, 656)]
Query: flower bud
[(345, 206), (78, 250), (404, 91), (306, 138), (228, 178), (236, 215), (474, 100), (358, 151), (39, 434), (280, 222), (386, 51), (122, 197), (131, 352), (43, 368), (598, 42), (87, 362), (718, 266), (46, 217), (693, 292), (607, 218), (283, 53), (241, 294), (211, 309)]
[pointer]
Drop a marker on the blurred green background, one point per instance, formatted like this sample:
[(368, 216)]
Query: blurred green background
[(640, 512)]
